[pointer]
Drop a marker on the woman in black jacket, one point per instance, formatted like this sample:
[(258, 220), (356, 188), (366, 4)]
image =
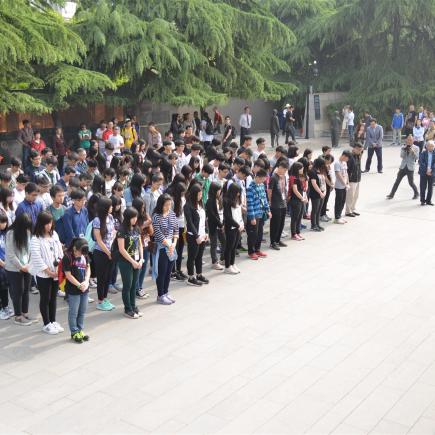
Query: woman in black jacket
[(233, 226), (194, 215), (215, 223)]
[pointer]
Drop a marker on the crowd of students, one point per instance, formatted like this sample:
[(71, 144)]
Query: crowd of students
[(75, 219)]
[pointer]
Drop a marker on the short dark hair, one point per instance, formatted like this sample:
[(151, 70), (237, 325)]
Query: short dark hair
[(15, 161), (5, 176), (260, 163), (346, 153), (33, 154), (54, 190), (247, 138), (110, 172), (31, 187), (280, 149), (325, 148), (373, 120), (51, 161), (223, 167), (77, 194), (260, 140), (208, 169), (261, 173), (283, 163), (22, 179), (69, 170)]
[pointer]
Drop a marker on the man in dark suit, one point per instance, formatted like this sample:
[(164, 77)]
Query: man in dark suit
[(426, 170)]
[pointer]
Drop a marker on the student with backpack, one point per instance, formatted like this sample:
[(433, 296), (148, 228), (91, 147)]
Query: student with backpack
[(75, 266), (103, 232)]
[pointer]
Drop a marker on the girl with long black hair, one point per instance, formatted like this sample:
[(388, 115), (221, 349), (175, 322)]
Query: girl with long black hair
[(103, 227), (117, 219), (146, 231), (298, 199), (215, 217), (135, 190), (46, 253), (194, 214), (165, 237), (178, 193), (7, 204), (317, 191), (130, 260), (233, 226), (17, 266)]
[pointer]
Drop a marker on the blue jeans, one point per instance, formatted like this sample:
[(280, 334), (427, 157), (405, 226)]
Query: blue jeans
[(351, 130), (143, 271), (76, 313)]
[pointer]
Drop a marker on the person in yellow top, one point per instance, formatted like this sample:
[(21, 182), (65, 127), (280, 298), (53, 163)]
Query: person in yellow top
[(129, 134)]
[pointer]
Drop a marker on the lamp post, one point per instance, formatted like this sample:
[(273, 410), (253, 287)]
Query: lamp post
[(312, 71)]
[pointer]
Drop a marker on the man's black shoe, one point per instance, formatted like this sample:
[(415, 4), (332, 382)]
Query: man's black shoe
[(415, 196), (390, 196), (282, 244), (430, 203), (274, 246)]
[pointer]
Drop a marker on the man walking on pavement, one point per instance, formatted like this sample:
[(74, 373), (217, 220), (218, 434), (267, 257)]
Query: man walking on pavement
[(426, 170)]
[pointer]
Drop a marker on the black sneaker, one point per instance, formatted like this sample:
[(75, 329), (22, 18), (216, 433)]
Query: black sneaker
[(274, 246), (179, 276), (174, 276), (321, 228), (84, 336), (243, 249), (193, 281), (182, 274), (202, 279), (282, 244)]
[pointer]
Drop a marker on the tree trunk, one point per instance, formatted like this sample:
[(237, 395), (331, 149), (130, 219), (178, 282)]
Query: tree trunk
[(56, 119)]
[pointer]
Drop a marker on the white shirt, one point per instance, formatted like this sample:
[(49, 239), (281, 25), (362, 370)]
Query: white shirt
[(108, 187), (350, 118), (118, 142), (99, 136), (257, 154), (418, 133), (245, 120), (44, 251), (18, 197), (201, 227), (236, 213), (45, 200)]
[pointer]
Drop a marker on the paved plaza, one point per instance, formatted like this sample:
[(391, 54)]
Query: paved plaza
[(335, 334)]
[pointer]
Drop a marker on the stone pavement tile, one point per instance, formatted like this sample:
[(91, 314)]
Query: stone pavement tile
[(169, 427), (252, 419), (412, 404), (15, 417), (332, 356), (297, 417), (204, 424), (424, 426), (385, 427), (346, 429), (335, 416), (406, 375), (367, 415)]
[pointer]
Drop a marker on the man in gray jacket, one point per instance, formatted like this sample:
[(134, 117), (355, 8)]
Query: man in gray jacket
[(409, 155), (374, 137)]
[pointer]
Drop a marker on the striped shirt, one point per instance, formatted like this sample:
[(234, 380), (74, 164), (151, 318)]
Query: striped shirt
[(165, 227)]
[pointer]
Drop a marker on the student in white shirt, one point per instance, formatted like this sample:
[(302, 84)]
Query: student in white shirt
[(117, 141), (245, 123)]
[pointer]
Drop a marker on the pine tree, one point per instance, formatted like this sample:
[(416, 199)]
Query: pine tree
[(40, 60), (186, 51)]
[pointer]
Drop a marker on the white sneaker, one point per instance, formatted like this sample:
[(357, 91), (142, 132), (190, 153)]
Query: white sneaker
[(58, 327), (324, 218), (90, 300), (217, 266), (50, 329), (10, 311), (230, 271), (284, 234), (92, 283), (339, 221), (235, 268), (4, 314), (34, 290), (60, 294)]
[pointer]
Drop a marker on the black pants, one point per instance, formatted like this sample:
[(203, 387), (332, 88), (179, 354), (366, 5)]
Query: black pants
[(4, 296), (255, 235), (194, 256), (277, 224), (103, 270), (232, 237), (274, 139), (325, 201), (60, 163), (340, 201), (296, 211), (370, 152), (335, 137), (244, 132), (180, 248), (216, 234), (420, 145), (290, 131), (405, 172), (426, 182), (165, 267), (19, 287), (48, 294), (316, 207)]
